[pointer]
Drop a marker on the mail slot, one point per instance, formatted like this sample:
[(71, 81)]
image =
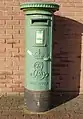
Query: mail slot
[(38, 54), (39, 21)]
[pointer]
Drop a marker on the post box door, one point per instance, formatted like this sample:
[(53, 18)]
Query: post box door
[(38, 53)]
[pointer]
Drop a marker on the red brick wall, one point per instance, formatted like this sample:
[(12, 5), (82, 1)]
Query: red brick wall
[(67, 46)]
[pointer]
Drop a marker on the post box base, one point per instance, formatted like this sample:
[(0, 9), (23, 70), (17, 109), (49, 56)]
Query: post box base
[(37, 101)]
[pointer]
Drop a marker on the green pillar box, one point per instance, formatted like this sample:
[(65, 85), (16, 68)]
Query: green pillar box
[(38, 54)]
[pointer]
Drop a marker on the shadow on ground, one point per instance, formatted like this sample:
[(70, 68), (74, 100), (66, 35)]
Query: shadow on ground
[(11, 107), (66, 66)]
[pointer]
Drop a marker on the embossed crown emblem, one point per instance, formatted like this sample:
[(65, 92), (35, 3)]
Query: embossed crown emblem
[(39, 54)]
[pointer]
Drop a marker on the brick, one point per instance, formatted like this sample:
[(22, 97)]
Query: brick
[(2, 48), (4, 90), (18, 72), (11, 67), (16, 54), (18, 26), (11, 13), (11, 3), (9, 17), (2, 77), (79, 14), (7, 81), (16, 61), (22, 64), (81, 91), (18, 82), (74, 9), (2, 85), (12, 93), (3, 81), (22, 22), (68, 4), (8, 46), (18, 17), (12, 31), (2, 22), (2, 66), (1, 13), (4, 36), (21, 67), (7, 54), (12, 85), (16, 9), (5, 8), (22, 14), (22, 50), (9, 76), (22, 41), (22, 77), (57, 1), (12, 22), (12, 41), (21, 1), (68, 14), (1, 3), (21, 53), (78, 4), (22, 31), (22, 84), (9, 63), (22, 60), (12, 51), (18, 89), (8, 71), (2, 41), (18, 36), (16, 79), (19, 45)]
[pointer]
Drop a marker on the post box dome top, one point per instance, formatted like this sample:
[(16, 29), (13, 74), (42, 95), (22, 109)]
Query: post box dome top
[(40, 5)]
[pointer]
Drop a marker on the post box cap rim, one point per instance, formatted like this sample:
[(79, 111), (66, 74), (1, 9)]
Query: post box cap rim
[(49, 5)]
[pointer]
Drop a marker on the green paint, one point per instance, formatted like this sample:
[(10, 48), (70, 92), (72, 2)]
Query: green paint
[(45, 5), (38, 45)]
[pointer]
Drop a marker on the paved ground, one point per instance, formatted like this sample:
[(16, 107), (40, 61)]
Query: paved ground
[(11, 107)]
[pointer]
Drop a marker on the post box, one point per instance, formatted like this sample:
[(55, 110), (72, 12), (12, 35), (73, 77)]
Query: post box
[(38, 54)]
